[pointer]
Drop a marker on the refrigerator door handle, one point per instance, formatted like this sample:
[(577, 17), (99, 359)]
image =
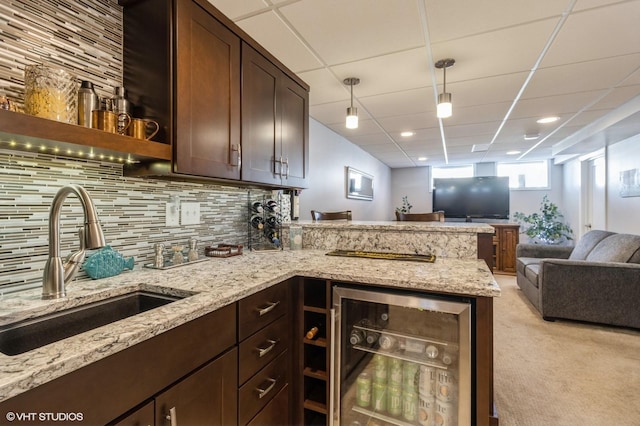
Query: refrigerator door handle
[(333, 367)]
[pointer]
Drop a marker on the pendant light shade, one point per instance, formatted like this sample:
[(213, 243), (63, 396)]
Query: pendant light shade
[(352, 112), (445, 108)]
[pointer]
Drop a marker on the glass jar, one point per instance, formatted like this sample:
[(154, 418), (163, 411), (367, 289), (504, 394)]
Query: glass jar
[(50, 93)]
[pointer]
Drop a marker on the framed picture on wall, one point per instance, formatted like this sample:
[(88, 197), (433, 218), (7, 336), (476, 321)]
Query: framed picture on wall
[(359, 184), (630, 183)]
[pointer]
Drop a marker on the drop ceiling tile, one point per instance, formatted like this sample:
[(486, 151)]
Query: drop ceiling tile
[(325, 87), (280, 41), (406, 102), (234, 8), (393, 72), (581, 77), (449, 20), (415, 122), (561, 105), (346, 31), (597, 33)]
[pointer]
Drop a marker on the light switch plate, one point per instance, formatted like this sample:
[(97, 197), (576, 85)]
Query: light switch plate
[(172, 217), (190, 213)]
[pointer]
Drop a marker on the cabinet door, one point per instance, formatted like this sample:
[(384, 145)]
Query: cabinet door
[(206, 397), (143, 416), (207, 95), (509, 241), (293, 103), (260, 134)]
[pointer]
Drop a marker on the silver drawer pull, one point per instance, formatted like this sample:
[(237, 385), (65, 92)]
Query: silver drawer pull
[(263, 351), (267, 309), (263, 392)]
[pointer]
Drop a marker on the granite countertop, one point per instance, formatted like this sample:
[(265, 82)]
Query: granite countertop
[(215, 282), (392, 225)]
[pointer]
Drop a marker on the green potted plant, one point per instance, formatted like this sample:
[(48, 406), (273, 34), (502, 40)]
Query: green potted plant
[(547, 226), (406, 207)]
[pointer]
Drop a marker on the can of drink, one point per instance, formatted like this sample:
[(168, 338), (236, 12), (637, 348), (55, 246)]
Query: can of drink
[(410, 376), (446, 386), (445, 413), (394, 377), (394, 400), (426, 409), (427, 380), (379, 395), (363, 390), (409, 406), (380, 368)]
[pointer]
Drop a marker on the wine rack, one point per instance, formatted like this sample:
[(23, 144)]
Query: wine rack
[(315, 312), (264, 227)]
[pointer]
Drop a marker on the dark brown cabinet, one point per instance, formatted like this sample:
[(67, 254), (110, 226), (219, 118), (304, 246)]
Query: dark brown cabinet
[(275, 111), (202, 398), (229, 109), (264, 333), (505, 240), (183, 69)]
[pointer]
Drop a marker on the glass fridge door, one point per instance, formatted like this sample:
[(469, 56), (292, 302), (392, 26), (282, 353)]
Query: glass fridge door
[(400, 360)]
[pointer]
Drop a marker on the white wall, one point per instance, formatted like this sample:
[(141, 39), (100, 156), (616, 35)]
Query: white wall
[(414, 183), (329, 154), (622, 213)]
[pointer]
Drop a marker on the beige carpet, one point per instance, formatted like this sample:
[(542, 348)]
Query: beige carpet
[(561, 373)]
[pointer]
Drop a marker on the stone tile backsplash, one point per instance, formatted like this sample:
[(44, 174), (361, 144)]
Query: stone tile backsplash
[(131, 210)]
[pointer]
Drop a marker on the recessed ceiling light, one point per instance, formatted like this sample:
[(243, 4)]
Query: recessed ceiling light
[(422, 158), (546, 120), (531, 136), (407, 134), (513, 152)]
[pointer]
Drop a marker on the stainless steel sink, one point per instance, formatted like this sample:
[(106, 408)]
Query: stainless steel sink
[(32, 333)]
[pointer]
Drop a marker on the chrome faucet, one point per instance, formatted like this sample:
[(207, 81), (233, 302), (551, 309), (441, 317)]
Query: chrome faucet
[(56, 275)]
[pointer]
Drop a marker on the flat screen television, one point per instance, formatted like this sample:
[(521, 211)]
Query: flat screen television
[(483, 197)]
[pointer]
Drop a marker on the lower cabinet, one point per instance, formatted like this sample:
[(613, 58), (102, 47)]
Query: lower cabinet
[(264, 327), (205, 397)]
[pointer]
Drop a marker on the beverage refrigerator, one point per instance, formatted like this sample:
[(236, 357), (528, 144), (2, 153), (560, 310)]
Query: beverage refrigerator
[(400, 359)]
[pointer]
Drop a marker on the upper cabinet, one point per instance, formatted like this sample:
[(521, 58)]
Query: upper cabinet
[(231, 111), (275, 124)]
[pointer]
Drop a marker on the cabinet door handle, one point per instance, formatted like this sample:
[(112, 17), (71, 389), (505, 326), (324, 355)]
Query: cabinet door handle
[(236, 157), (331, 368), (263, 351), (263, 392), (172, 416), (277, 171), (267, 309), (286, 163)]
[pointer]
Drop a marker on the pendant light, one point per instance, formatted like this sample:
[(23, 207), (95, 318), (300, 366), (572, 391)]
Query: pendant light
[(352, 112), (444, 99)]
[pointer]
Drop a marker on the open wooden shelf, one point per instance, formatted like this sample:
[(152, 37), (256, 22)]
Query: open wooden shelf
[(23, 132), (316, 374)]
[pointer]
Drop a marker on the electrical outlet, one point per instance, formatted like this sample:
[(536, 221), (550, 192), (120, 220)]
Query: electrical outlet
[(190, 213), (172, 217)]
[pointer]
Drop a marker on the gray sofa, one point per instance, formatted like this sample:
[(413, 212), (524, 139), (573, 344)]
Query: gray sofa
[(596, 281)]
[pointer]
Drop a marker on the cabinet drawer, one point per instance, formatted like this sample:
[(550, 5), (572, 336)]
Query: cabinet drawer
[(276, 412), (262, 387), (263, 347), (260, 309)]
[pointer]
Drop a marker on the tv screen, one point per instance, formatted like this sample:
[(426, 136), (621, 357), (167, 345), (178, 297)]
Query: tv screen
[(485, 197)]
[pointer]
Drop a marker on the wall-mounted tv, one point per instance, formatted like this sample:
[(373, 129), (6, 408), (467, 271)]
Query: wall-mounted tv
[(483, 197)]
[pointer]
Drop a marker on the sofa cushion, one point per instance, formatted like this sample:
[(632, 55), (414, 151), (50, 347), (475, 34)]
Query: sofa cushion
[(531, 273), (587, 243), (616, 248), (523, 262)]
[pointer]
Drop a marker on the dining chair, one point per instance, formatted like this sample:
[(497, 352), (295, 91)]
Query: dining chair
[(343, 215)]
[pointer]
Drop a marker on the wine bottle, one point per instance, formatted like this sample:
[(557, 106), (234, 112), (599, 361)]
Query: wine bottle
[(273, 221), (257, 221), (357, 336), (313, 331), (257, 207), (272, 236)]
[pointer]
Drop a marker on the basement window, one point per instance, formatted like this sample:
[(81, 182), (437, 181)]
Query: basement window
[(526, 175), (450, 172)]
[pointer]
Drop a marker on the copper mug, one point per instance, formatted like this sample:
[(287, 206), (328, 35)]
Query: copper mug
[(110, 121), (140, 127)]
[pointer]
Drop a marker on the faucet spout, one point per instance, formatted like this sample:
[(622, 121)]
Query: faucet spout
[(57, 274)]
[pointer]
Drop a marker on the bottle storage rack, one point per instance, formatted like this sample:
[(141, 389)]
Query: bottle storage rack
[(264, 224)]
